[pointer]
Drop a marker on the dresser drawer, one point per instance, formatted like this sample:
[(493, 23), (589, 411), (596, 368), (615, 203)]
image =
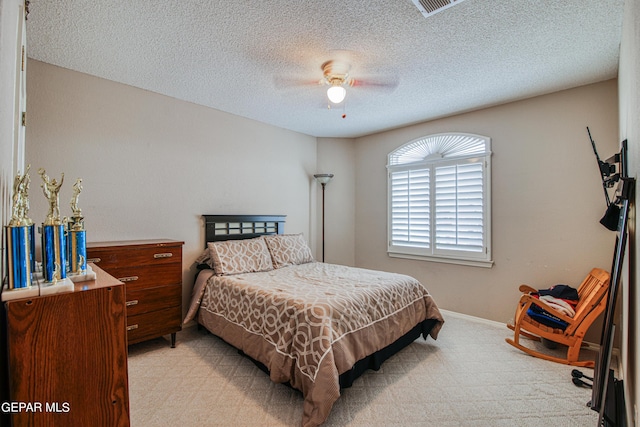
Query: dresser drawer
[(141, 301), (153, 324), (147, 276), (110, 257)]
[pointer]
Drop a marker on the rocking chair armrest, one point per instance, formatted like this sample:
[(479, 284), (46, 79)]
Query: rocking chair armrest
[(528, 299), (525, 289)]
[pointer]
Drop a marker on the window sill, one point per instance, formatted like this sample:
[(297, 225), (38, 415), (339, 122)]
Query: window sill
[(467, 262)]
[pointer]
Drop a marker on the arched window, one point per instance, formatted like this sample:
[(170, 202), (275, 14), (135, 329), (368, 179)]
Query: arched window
[(439, 199)]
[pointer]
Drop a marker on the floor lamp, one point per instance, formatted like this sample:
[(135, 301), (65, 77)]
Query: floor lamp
[(323, 179)]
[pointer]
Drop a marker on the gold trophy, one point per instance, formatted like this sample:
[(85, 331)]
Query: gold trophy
[(54, 249), (77, 236), (51, 188), (20, 239), (20, 208)]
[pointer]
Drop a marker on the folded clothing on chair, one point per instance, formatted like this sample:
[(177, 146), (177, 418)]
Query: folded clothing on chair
[(562, 298), (543, 316), (561, 291), (564, 306)]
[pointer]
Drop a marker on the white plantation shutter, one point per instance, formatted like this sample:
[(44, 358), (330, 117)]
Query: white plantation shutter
[(410, 193), (459, 207), (439, 199)]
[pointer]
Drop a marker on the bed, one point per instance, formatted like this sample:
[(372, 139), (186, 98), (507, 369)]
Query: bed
[(313, 325)]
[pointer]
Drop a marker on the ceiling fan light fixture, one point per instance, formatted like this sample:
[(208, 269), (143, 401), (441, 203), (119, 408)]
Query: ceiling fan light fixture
[(336, 94)]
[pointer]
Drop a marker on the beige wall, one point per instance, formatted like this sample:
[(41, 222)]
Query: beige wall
[(337, 156), (629, 89), (547, 199), (152, 165)]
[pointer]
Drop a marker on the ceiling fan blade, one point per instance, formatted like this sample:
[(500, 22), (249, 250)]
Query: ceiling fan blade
[(287, 82), (381, 84)]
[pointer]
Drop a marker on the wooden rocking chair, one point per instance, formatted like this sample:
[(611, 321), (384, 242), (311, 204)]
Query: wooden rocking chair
[(592, 300)]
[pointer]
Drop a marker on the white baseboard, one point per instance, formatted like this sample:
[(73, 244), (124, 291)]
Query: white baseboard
[(472, 318)]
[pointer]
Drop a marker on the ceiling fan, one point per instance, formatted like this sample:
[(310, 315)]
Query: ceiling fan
[(336, 76)]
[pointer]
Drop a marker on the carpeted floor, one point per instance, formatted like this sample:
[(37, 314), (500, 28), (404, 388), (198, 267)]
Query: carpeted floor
[(468, 377)]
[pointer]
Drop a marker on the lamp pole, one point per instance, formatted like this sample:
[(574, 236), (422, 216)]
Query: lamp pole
[(324, 184), (323, 179)]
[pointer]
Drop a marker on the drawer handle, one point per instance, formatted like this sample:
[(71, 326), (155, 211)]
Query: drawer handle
[(133, 302), (163, 255), (128, 279), (94, 260), (132, 327)]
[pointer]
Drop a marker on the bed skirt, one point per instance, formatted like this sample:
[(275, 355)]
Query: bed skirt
[(373, 361)]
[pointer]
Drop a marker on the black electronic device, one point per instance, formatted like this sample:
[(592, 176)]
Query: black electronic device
[(606, 396), (610, 175)]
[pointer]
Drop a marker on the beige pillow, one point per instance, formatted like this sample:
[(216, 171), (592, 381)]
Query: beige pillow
[(240, 256), (288, 249)]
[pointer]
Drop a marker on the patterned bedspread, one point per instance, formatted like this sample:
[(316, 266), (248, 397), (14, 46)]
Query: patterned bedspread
[(309, 323)]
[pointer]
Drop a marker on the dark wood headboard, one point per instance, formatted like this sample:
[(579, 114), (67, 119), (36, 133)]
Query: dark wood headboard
[(234, 227)]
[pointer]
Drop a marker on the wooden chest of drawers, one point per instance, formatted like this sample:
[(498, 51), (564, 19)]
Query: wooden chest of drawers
[(65, 354), (152, 273)]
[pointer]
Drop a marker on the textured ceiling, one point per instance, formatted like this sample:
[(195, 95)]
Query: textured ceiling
[(249, 57)]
